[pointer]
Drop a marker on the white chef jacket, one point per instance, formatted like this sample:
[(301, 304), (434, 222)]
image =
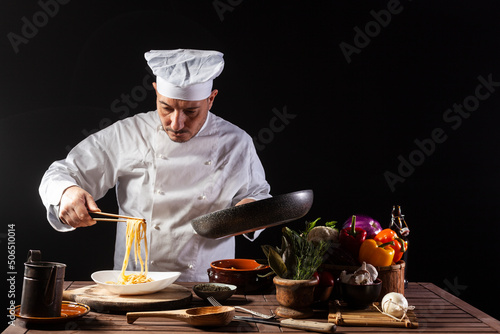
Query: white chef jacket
[(165, 182)]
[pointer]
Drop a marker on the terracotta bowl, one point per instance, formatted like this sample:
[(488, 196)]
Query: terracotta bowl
[(244, 273), (360, 296)]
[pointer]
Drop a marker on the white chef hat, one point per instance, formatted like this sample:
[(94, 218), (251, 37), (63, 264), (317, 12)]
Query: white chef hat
[(185, 74)]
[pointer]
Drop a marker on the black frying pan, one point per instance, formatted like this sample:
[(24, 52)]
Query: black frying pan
[(254, 216)]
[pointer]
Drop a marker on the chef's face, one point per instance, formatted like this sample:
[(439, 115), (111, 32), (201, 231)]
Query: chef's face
[(182, 119)]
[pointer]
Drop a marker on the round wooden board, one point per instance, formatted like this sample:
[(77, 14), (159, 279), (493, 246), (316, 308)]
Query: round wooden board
[(101, 300)]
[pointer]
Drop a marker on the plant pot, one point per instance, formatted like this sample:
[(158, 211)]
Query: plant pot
[(295, 297)]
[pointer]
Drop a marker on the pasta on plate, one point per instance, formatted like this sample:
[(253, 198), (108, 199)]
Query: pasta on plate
[(136, 232)]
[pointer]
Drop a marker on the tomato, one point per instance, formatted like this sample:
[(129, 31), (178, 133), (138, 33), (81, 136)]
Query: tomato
[(316, 276), (324, 288), (326, 278)]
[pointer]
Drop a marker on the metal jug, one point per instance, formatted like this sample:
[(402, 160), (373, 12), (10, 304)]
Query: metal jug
[(42, 287)]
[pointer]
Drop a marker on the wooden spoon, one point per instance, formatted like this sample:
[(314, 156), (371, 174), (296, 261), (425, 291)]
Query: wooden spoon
[(198, 316)]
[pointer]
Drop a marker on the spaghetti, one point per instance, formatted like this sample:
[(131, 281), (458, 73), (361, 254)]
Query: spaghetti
[(136, 232)]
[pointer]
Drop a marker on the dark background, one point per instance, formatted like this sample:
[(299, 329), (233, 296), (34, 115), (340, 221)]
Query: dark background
[(349, 122)]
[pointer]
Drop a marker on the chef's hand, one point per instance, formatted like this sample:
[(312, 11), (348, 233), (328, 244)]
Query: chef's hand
[(245, 201), (75, 206)]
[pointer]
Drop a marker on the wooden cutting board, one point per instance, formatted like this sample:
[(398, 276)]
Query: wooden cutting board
[(343, 316), (101, 300)]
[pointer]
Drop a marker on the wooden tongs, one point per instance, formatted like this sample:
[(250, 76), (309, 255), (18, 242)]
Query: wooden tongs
[(117, 218)]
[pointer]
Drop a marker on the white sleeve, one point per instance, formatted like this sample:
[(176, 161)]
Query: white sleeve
[(88, 165), (51, 190), (258, 188)]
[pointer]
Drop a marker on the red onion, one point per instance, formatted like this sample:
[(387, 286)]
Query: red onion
[(370, 225)]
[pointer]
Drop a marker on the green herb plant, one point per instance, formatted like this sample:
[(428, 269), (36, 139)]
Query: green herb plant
[(298, 258)]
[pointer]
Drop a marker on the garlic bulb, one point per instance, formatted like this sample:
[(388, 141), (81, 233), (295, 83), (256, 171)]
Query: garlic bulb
[(395, 304), (372, 270), (345, 277), (365, 275)]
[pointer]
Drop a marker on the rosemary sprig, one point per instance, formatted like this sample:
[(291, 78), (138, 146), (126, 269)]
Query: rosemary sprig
[(297, 258)]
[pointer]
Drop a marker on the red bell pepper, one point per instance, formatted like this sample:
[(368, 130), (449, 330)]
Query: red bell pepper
[(400, 246), (352, 237)]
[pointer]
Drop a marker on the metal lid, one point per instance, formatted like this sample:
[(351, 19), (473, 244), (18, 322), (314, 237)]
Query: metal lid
[(34, 268), (43, 270)]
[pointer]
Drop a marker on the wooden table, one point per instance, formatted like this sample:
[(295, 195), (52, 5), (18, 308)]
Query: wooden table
[(437, 311)]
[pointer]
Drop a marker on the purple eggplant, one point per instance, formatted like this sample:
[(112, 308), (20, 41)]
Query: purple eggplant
[(370, 225)]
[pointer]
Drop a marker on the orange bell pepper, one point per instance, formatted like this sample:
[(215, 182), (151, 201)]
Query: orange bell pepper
[(400, 246), (376, 253)]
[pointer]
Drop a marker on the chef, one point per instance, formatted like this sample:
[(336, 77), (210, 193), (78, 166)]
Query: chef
[(169, 166)]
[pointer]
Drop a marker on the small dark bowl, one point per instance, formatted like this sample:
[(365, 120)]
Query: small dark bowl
[(246, 274), (360, 296), (205, 290)]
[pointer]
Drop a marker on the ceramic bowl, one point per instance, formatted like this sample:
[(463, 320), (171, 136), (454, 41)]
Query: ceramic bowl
[(244, 273), (360, 296), (219, 291), (161, 280)]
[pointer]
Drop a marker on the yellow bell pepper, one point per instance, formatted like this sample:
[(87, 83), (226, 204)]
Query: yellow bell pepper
[(376, 253)]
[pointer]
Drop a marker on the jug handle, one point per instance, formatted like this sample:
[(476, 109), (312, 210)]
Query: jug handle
[(34, 255), (50, 289)]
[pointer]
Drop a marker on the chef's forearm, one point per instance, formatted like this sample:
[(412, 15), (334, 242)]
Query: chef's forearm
[(245, 201)]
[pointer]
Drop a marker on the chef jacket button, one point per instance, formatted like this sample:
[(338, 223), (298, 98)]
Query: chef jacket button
[(202, 197), (156, 226), (161, 156), (208, 162), (159, 192), (190, 266)]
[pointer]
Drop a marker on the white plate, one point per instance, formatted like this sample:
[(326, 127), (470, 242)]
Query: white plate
[(161, 280)]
